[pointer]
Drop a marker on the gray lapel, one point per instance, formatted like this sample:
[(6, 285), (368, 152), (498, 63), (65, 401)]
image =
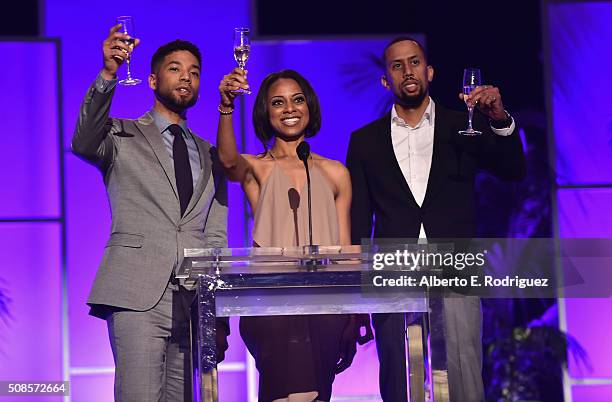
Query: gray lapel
[(151, 133), (205, 171)]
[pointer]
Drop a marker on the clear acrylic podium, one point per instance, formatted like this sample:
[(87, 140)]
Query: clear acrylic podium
[(302, 280)]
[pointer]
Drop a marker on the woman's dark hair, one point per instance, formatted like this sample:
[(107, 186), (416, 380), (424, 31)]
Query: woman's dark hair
[(261, 120)]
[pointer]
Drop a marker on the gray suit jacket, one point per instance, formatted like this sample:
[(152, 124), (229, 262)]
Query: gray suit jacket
[(148, 234)]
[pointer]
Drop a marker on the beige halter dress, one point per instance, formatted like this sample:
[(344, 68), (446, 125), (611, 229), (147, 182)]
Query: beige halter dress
[(294, 353)]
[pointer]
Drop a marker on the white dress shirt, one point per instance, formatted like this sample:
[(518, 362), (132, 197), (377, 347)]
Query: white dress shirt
[(413, 148)]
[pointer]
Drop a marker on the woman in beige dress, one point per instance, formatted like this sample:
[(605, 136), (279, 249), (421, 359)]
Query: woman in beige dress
[(297, 356)]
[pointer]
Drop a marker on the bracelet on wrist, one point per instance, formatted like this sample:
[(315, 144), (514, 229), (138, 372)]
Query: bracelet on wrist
[(225, 112)]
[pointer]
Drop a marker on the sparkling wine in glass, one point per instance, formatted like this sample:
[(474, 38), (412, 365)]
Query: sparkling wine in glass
[(242, 48), (127, 27), (471, 79)]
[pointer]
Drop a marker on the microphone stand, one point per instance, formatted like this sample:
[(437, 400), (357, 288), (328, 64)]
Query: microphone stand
[(303, 151), (309, 204)]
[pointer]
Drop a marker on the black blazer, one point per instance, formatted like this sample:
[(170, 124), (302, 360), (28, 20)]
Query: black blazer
[(382, 196)]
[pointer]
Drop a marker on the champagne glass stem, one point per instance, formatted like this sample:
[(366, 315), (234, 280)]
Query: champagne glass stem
[(129, 73), (471, 80), (470, 115)]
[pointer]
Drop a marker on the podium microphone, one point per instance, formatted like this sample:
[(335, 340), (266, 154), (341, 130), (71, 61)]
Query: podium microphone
[(303, 152)]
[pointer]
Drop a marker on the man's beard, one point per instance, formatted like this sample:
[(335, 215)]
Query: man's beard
[(412, 101), (174, 102)]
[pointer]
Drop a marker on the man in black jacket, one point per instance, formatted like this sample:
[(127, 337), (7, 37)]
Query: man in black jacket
[(413, 176)]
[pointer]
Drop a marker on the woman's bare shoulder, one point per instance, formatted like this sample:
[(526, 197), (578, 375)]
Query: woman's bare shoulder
[(256, 157), (328, 163), (333, 168), (261, 164), (261, 160)]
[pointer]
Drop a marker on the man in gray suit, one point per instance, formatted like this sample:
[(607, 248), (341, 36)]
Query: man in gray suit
[(167, 192)]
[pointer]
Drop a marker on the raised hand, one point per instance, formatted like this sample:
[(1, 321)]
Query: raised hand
[(115, 50), (487, 99), (230, 84)]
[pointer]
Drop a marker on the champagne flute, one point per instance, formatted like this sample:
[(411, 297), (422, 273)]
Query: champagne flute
[(127, 27), (471, 79), (242, 47)]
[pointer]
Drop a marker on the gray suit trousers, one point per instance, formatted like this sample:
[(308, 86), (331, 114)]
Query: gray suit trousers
[(152, 349), (463, 318)]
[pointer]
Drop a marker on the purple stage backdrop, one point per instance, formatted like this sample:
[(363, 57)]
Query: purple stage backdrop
[(31, 345), (52, 236), (580, 87), (341, 72), (30, 110)]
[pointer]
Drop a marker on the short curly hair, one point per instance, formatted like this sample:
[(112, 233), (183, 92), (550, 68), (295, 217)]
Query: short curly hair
[(261, 120), (171, 47), (402, 39)]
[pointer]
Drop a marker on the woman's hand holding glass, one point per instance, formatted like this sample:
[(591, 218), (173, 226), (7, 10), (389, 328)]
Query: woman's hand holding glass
[(230, 87)]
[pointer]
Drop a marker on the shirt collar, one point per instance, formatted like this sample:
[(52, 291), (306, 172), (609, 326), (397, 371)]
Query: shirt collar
[(428, 116), (162, 123)]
